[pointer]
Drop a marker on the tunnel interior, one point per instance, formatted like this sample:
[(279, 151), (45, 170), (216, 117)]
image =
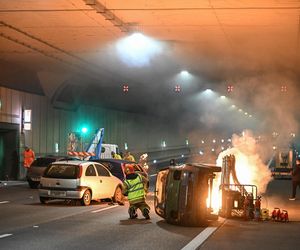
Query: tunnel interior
[(9, 151)]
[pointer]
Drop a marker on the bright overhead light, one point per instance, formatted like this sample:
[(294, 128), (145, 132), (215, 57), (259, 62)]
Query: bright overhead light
[(184, 73), (233, 106), (137, 50), (223, 97)]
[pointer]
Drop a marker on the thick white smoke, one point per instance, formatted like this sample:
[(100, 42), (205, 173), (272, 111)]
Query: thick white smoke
[(250, 168)]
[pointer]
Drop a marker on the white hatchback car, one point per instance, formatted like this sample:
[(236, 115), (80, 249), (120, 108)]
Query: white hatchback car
[(81, 180)]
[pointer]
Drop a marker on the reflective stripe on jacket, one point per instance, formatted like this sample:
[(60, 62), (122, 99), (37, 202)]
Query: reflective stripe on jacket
[(135, 189)]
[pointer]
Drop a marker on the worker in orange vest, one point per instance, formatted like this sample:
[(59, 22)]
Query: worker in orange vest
[(29, 157)]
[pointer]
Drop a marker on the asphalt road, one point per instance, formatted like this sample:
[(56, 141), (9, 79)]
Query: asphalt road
[(27, 224)]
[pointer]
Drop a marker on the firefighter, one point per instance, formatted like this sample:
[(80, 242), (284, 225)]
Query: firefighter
[(134, 188), (128, 157), (115, 155), (295, 179), (29, 157)]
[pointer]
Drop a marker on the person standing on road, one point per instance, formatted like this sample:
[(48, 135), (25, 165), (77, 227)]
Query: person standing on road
[(134, 188), (128, 157), (295, 179), (29, 157), (115, 155)]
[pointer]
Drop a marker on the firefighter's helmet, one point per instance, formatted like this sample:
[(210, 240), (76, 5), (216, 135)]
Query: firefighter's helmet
[(129, 169)]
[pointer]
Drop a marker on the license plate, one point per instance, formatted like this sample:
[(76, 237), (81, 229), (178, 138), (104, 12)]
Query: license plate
[(59, 193)]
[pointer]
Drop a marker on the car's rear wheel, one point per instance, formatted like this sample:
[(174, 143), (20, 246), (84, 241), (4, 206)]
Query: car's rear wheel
[(33, 184), (86, 198), (43, 200), (118, 196)]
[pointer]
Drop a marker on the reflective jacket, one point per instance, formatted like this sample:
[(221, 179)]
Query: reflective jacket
[(117, 156), (135, 189), (28, 158), (129, 158)]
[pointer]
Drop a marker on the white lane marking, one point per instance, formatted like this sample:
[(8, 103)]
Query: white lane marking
[(106, 208), (200, 238), (153, 175), (5, 235), (3, 202)]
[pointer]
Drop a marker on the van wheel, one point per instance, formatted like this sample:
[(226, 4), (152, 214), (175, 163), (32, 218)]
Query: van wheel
[(86, 198), (43, 200), (118, 196)]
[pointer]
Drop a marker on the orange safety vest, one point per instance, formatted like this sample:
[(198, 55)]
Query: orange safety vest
[(28, 158)]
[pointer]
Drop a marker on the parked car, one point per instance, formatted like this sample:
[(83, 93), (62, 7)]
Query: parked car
[(38, 167), (116, 167), (79, 180)]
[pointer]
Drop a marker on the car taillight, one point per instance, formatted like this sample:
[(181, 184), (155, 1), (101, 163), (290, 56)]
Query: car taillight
[(79, 173)]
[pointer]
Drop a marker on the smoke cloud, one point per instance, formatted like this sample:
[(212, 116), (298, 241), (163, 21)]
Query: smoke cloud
[(250, 167)]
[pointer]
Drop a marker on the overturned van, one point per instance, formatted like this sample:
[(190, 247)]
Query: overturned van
[(181, 193)]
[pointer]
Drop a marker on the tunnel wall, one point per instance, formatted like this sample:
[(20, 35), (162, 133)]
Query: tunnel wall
[(50, 126)]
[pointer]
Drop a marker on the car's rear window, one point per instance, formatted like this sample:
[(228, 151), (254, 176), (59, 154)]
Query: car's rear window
[(115, 168), (62, 171), (42, 162)]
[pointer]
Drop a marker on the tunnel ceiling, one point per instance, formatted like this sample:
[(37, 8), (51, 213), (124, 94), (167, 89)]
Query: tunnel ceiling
[(67, 50)]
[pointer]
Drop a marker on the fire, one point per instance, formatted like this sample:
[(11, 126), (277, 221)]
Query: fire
[(250, 168)]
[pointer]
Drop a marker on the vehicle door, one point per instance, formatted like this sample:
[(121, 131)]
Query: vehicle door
[(92, 180), (160, 192), (108, 183)]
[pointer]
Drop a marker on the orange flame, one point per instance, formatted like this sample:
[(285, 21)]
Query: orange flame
[(250, 169)]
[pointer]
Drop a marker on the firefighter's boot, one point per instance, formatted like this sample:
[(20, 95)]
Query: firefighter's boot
[(146, 213), (132, 213)]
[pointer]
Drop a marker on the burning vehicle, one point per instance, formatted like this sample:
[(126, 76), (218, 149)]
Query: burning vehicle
[(182, 194)]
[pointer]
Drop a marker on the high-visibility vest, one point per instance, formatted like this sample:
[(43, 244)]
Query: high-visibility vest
[(117, 156), (135, 189), (28, 158), (129, 158)]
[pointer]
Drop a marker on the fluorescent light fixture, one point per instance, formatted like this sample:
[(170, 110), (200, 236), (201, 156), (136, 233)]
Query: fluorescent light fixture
[(27, 126), (56, 147), (27, 115)]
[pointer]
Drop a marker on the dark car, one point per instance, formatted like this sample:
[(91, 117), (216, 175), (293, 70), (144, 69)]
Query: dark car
[(38, 167), (116, 167)]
